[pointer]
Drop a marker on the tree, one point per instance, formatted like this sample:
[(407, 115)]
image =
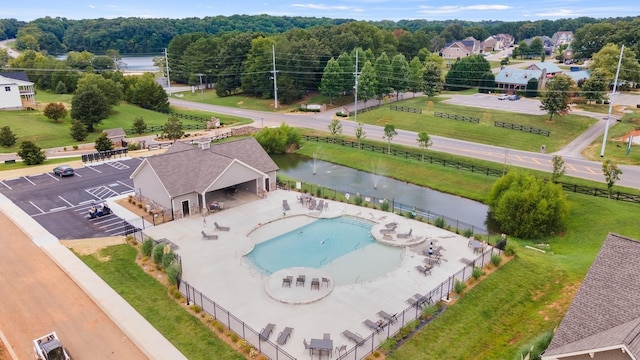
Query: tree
[(347, 67), (595, 87), (558, 168), (109, 88), (103, 143), (367, 83), (147, 93), (532, 88), (61, 88), (278, 140), (415, 75), (389, 133), (424, 141), (555, 98), (4, 57), (607, 58), (465, 73), (7, 137), (335, 128), (431, 79), (172, 129), (400, 74), (611, 173), (360, 134), (384, 73), (139, 126), (55, 111), (331, 84), (31, 154), (536, 47), (78, 131), (527, 207), (89, 106)]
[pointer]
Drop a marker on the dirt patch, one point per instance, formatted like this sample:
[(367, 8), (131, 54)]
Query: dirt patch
[(625, 137), (558, 308), (93, 246)]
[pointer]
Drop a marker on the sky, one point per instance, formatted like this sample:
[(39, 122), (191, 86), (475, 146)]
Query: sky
[(505, 10)]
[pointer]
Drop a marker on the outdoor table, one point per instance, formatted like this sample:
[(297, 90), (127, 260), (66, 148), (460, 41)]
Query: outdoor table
[(321, 345), (476, 245)]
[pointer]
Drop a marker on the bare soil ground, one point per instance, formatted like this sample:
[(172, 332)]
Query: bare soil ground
[(39, 297)]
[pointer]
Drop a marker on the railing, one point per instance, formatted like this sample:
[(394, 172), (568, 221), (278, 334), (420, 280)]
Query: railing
[(405, 109), (456, 117), (522, 128)]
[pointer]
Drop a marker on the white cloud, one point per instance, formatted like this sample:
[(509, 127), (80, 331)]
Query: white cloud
[(433, 10), (92, 6), (326, 7), (558, 13)]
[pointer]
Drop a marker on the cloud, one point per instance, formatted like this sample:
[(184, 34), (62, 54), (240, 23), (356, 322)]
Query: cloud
[(432, 10), (558, 13), (92, 6), (326, 7)]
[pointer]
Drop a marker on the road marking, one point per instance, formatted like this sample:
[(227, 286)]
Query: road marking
[(54, 177), (57, 209), (63, 199), (589, 170), (571, 167), (86, 202), (92, 168), (32, 183), (9, 187), (130, 187), (35, 206), (78, 175)]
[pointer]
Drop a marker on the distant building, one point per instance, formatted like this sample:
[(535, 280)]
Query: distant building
[(513, 80), (550, 68), (461, 48), (16, 91), (562, 37)]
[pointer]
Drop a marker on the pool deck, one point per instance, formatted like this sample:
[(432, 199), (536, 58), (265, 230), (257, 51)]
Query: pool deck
[(218, 269)]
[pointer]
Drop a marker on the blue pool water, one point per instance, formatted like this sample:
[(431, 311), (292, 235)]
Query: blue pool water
[(314, 245)]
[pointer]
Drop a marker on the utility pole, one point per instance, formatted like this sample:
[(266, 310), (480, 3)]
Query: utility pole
[(166, 64), (355, 104), (275, 81), (201, 88), (615, 84)]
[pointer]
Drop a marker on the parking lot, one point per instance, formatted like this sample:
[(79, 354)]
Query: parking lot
[(62, 205), (523, 106)]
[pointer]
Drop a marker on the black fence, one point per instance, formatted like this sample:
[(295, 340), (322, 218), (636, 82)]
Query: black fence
[(405, 109), (368, 108), (617, 195), (160, 128), (178, 115), (522, 128), (457, 117), (104, 155)]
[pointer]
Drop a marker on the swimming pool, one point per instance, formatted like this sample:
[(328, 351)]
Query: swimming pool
[(343, 247)]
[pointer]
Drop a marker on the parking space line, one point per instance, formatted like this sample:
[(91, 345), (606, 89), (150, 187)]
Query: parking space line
[(58, 209), (76, 174), (54, 177), (32, 183), (8, 187), (86, 202), (35, 206), (63, 199), (130, 187), (92, 168)]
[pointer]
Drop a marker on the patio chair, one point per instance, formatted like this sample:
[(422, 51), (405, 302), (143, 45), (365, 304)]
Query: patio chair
[(388, 317), (325, 281), (266, 332), (391, 225), (468, 262), (372, 325), (353, 336), (287, 280), (208, 236), (424, 269), (320, 205), (405, 235), (285, 205), (284, 335), (301, 280), (315, 282), (341, 349), (422, 299), (221, 228), (387, 231)]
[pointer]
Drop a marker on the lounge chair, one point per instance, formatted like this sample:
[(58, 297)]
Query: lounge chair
[(315, 282), (221, 228), (391, 225), (340, 349), (266, 332), (372, 325), (388, 317), (387, 231), (284, 335), (208, 236), (422, 299), (468, 262), (287, 280), (301, 280), (406, 235), (320, 205), (424, 269), (285, 205), (353, 336)]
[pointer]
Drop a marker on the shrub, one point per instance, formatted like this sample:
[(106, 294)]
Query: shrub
[(234, 337), (429, 311), (133, 146), (358, 200), (467, 233), (218, 326), (510, 250), (502, 243), (459, 287), (341, 114), (496, 260), (537, 346), (389, 344), (130, 199), (196, 309), (167, 257), (140, 206), (173, 272), (319, 192), (147, 247), (439, 222), (385, 205), (156, 253), (477, 272)]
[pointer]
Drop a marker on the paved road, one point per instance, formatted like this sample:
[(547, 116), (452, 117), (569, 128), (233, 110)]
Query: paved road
[(12, 53), (575, 165)]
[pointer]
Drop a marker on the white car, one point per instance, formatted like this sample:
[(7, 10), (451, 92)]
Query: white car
[(503, 97), (49, 347)]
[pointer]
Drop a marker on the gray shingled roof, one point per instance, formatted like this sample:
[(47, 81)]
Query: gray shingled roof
[(184, 168), (16, 75), (550, 67), (606, 310), (517, 76)]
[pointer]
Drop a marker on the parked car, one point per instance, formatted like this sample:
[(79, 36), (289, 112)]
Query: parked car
[(514, 97), (503, 97), (63, 170)]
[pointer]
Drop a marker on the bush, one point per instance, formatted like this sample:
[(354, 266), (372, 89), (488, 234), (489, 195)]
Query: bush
[(234, 337), (459, 287), (341, 114), (384, 206), (389, 344), (496, 260), (147, 247), (133, 146), (477, 272), (358, 200), (537, 347), (439, 222), (510, 250), (467, 233), (167, 258), (196, 309), (429, 311), (502, 243), (157, 253)]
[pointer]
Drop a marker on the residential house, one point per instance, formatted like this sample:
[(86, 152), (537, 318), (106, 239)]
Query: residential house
[(116, 136), (16, 91), (562, 37), (504, 40), (513, 80), (603, 321), (187, 179), (497, 42), (461, 48), (547, 44), (550, 68)]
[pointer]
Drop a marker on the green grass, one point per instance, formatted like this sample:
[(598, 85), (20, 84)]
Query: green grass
[(47, 165), (34, 126), (150, 299), (563, 130), (616, 148)]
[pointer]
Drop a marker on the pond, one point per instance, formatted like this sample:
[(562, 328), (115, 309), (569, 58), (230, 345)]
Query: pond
[(371, 184)]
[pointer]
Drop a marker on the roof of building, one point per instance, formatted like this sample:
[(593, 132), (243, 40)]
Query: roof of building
[(114, 133), (550, 67), (184, 168), (605, 313), (17, 75), (7, 80), (578, 75), (517, 76)]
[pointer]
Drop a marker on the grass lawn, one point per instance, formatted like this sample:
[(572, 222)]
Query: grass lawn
[(151, 300), (616, 147), (563, 130), (34, 126)]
